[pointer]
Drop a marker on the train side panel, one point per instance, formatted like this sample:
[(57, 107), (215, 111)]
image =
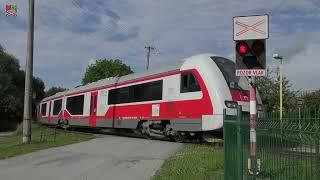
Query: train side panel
[(182, 109)]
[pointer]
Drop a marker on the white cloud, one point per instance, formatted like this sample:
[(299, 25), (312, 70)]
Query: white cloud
[(303, 68), (177, 29), (92, 61)]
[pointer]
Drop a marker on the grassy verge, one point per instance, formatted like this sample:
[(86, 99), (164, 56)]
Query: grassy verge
[(12, 146), (193, 162)]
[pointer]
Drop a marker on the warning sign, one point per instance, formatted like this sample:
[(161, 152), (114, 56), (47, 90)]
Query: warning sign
[(250, 27), (250, 72)]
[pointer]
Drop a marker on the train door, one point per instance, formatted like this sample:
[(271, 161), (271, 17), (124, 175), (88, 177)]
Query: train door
[(93, 109), (49, 114)]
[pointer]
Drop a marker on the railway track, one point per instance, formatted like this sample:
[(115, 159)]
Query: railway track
[(129, 133)]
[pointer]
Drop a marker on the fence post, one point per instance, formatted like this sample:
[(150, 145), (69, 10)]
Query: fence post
[(224, 144), (317, 148), (239, 144)]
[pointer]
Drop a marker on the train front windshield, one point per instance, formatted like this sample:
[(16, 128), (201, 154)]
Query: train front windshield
[(228, 69)]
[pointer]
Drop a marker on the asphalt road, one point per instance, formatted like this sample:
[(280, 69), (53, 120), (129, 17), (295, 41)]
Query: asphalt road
[(107, 158)]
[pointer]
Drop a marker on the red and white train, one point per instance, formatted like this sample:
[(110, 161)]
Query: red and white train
[(182, 100)]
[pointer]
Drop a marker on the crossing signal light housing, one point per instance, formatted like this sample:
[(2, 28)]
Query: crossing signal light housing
[(250, 54)]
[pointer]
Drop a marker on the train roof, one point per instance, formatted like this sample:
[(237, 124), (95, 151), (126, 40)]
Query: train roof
[(130, 77), (114, 80)]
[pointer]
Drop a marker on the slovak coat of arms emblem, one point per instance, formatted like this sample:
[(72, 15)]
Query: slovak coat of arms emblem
[(11, 10)]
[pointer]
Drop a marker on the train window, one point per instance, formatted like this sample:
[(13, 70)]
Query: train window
[(189, 83), (137, 93), (57, 104), (118, 96), (44, 109), (123, 95), (75, 105), (228, 69), (157, 90), (112, 96)]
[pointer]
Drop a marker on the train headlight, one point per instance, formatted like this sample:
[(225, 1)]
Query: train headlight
[(231, 104)]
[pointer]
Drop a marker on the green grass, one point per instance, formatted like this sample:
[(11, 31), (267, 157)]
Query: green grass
[(12, 145), (193, 162), (288, 166)]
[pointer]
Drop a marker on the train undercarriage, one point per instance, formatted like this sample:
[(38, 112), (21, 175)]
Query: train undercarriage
[(159, 130)]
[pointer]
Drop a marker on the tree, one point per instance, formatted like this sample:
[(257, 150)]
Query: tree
[(38, 89), (53, 90), (268, 88), (312, 101), (104, 69), (11, 96), (12, 91), (38, 94)]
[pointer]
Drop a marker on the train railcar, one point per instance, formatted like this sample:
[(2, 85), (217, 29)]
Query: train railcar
[(186, 99)]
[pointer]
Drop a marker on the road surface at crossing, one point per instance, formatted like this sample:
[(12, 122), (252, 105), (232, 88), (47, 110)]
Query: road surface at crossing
[(107, 158)]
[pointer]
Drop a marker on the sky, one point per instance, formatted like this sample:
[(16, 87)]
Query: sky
[(71, 34)]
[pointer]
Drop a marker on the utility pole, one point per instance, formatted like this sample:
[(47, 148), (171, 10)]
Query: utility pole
[(149, 48), (28, 77)]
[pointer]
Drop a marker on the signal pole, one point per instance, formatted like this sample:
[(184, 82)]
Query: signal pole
[(28, 78), (253, 126), (251, 62), (149, 48)]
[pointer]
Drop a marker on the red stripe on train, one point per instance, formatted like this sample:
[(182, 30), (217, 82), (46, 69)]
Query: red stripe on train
[(185, 109)]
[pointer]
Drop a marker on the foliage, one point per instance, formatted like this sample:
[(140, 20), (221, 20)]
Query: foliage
[(312, 100), (53, 90), (11, 146), (193, 162), (12, 91), (268, 88), (104, 69), (38, 89)]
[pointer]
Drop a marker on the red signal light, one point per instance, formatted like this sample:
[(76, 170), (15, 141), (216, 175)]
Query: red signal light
[(242, 48), (257, 47)]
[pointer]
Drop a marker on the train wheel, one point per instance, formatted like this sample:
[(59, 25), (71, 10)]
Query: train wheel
[(65, 124), (171, 138), (59, 123), (145, 129), (179, 138)]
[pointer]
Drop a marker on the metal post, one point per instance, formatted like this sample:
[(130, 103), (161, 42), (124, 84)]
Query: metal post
[(253, 123), (300, 122), (224, 145), (148, 58), (28, 78), (278, 57), (149, 48), (239, 143), (318, 151), (281, 94), (299, 114)]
